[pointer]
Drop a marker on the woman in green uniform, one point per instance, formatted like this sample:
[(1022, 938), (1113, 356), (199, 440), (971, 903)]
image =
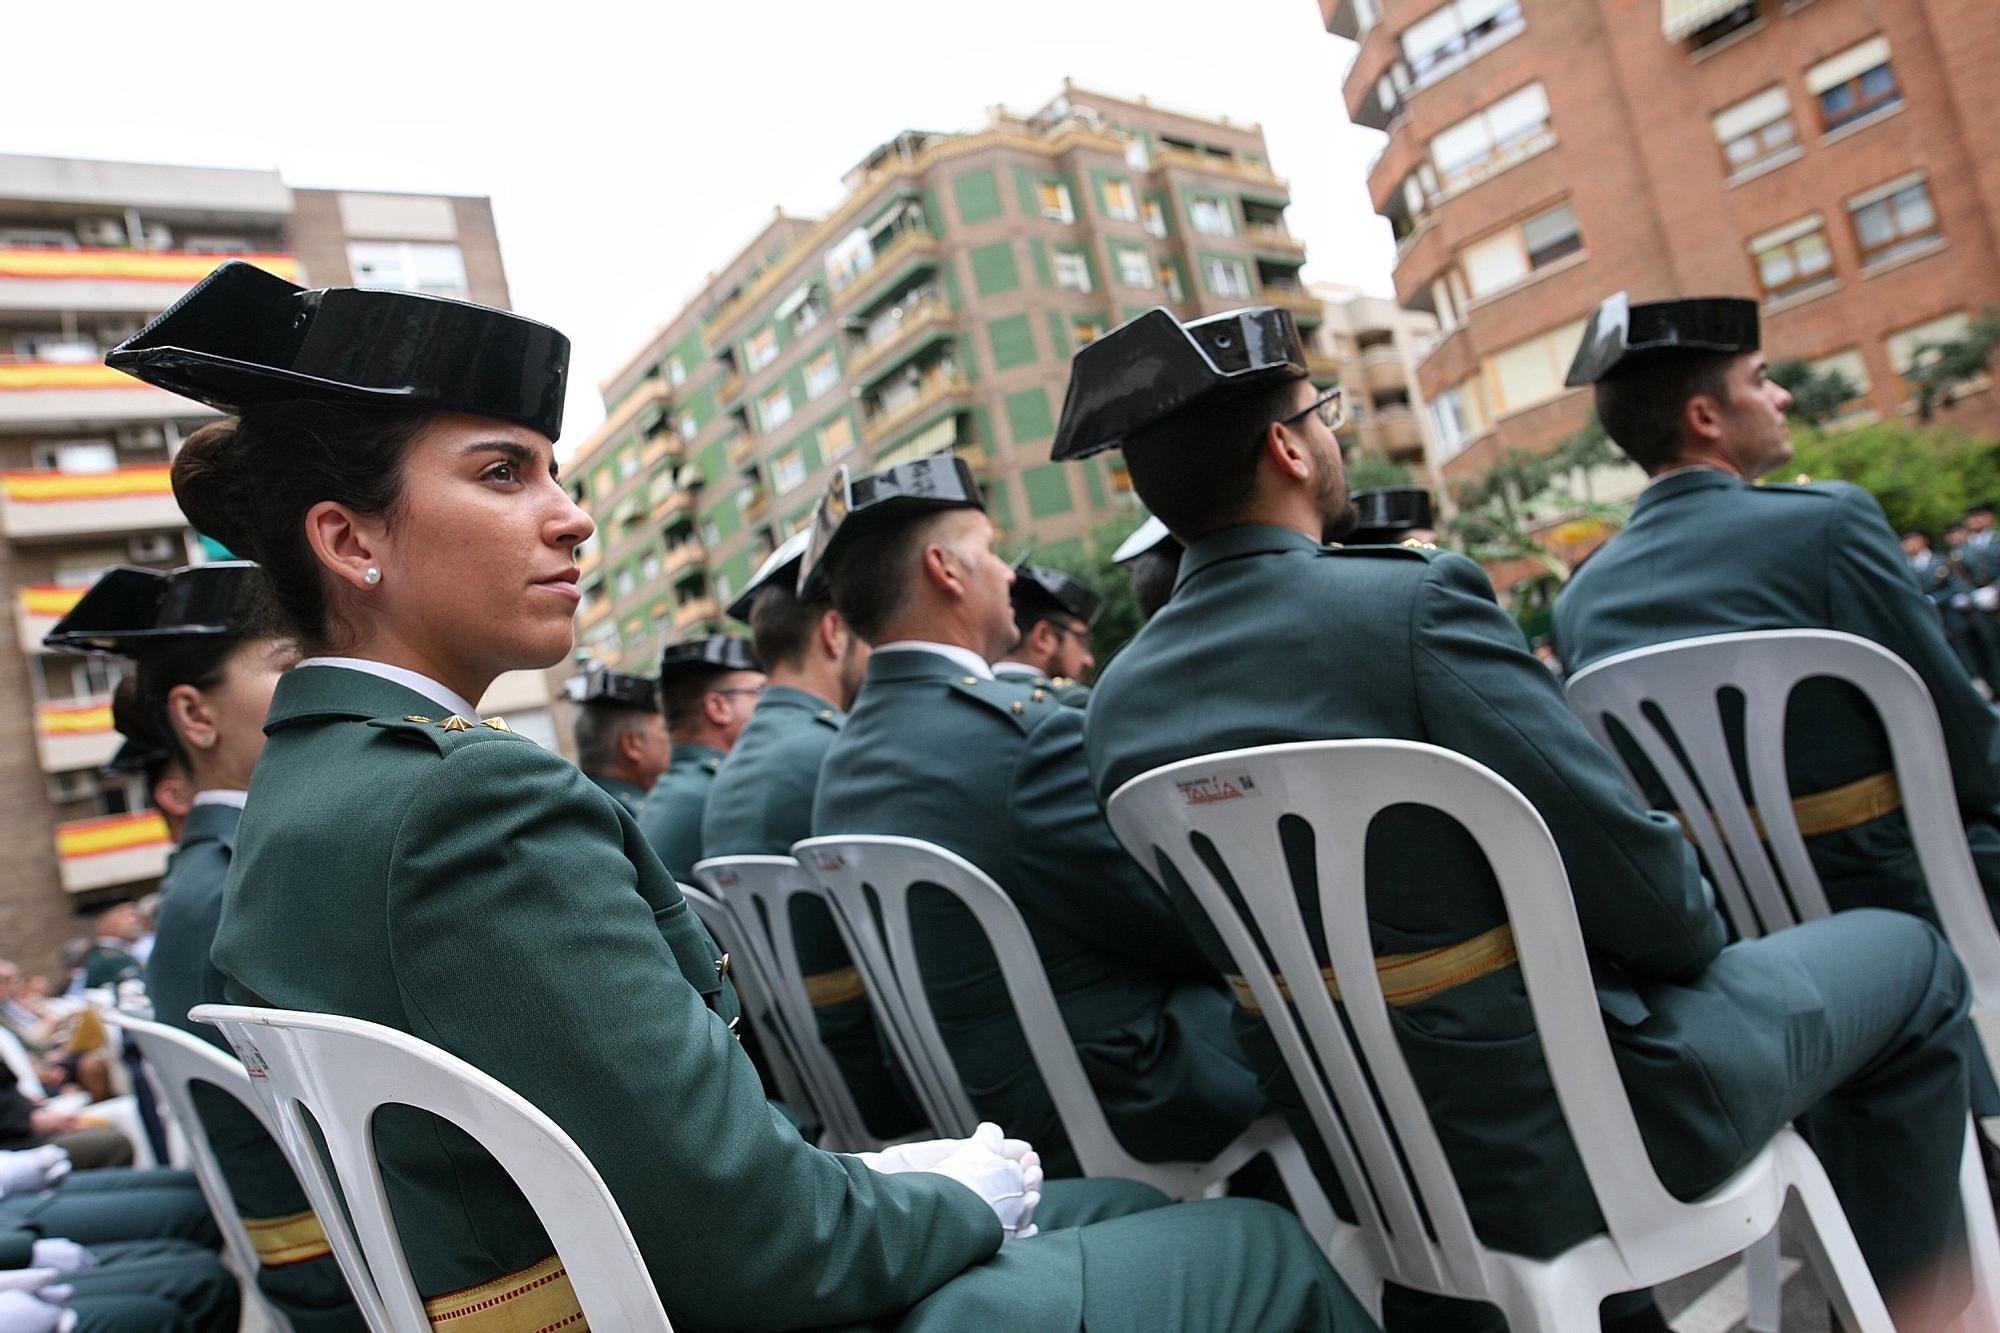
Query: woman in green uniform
[(391, 468)]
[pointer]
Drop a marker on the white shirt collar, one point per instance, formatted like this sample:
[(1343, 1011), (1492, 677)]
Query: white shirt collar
[(221, 796), (1009, 667), (973, 663), (409, 680)]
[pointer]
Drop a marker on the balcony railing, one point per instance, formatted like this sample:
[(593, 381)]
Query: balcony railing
[(696, 611), (731, 386), (63, 392), (740, 447), (932, 389), (1320, 365), (926, 314), (1272, 237), (111, 849), (74, 733), (755, 511), (52, 504), (661, 446), (1296, 299), (184, 267), (1461, 179), (847, 286), (688, 555), (1220, 166), (673, 504), (37, 608)]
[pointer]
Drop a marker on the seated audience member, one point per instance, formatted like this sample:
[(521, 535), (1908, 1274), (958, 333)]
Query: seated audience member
[(1053, 613), (708, 687), (621, 739)]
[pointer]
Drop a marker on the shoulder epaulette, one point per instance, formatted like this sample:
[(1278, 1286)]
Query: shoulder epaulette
[(1015, 699), (446, 733), (1408, 551)]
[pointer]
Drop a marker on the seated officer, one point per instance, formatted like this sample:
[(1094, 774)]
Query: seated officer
[(1945, 584), (1154, 556), (1855, 1023), (762, 803), (936, 748), (116, 926), (708, 687), (1053, 613), (621, 739), (1683, 390)]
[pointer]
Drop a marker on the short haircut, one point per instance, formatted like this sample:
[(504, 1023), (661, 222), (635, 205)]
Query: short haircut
[(871, 579), (782, 625), (681, 695), (1641, 408), (599, 727), (1196, 470)]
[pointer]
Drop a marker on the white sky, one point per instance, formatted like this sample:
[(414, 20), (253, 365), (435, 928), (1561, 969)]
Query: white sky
[(630, 149)]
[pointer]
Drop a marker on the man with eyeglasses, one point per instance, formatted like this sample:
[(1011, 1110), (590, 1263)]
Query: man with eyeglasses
[(1053, 612), (708, 689)]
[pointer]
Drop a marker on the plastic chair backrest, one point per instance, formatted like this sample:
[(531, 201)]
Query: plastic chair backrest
[(340, 1071), (1227, 810), (1768, 885), (873, 917), (21, 1065), (747, 972), (178, 1062), (891, 867), (757, 891)]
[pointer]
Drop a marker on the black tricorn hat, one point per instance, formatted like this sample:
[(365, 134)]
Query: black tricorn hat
[(1039, 588), (129, 608), (1385, 513), (1622, 336), (780, 565), (134, 757), (710, 652), (600, 685), (1148, 536), (1148, 368), (855, 506), (242, 336)]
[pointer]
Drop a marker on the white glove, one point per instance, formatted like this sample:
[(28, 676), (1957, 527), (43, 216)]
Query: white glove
[(32, 1169), (1005, 1173), (65, 1256), (30, 1312), (1986, 598)]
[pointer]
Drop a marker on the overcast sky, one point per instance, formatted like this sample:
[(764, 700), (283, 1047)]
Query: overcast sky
[(630, 149)]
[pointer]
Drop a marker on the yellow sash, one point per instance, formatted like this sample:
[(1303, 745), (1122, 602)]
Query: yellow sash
[(835, 987), (1409, 978), (1834, 810), (537, 1299), (291, 1239)]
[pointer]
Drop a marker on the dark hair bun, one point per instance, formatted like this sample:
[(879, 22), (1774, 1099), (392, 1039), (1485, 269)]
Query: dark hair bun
[(134, 720), (212, 486)]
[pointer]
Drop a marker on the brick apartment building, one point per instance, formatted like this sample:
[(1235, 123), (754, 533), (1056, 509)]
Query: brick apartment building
[(89, 251), (1825, 156), (935, 307)]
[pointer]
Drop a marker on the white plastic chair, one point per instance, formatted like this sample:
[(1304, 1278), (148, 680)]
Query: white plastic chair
[(177, 1062), (855, 869), (1338, 787), (750, 974), (757, 891), (341, 1070), (120, 1112)]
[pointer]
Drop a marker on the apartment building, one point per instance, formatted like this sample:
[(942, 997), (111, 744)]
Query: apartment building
[(89, 251), (936, 307), (1373, 345), (1820, 155)]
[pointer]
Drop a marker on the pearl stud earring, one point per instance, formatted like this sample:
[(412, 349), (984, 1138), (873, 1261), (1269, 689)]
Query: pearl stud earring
[(371, 575)]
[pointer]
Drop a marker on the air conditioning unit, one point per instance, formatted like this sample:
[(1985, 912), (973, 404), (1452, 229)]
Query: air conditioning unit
[(154, 547), (101, 231), (142, 439)]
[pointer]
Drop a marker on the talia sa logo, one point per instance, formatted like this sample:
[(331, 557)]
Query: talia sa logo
[(1209, 790)]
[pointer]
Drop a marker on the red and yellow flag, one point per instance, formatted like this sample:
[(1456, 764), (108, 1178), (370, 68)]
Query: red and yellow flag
[(110, 833), (119, 484), (180, 266)]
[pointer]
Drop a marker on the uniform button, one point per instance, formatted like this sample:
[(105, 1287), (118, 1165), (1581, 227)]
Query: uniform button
[(1019, 707), (971, 680), (722, 966), (1036, 696)]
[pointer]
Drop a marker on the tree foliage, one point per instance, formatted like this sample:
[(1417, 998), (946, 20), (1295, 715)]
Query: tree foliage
[(1938, 368), (1817, 395), (1924, 476)]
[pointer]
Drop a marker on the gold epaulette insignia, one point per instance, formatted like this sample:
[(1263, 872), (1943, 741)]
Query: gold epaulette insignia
[(416, 717), (495, 723), (1803, 479), (1416, 545), (454, 723)]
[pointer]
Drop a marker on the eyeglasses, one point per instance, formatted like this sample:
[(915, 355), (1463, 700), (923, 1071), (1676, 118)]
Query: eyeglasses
[(752, 690), (1329, 407), (1064, 631)]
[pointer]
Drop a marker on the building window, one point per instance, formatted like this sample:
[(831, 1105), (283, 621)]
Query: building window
[(623, 582), (1072, 271), (434, 268), (1135, 267), (822, 373), (1757, 131), (1894, 219), (1729, 24), (1119, 201), (677, 373), (628, 463), (649, 566), (1551, 236), (808, 312), (1226, 277), (1793, 259), (688, 426), (1210, 215), (1459, 417), (1156, 218), (760, 349), (1170, 281), (711, 532), (774, 409), (1502, 260), (836, 437), (1449, 38), (1914, 346), (1856, 83), (1850, 366), (787, 472), (76, 456), (1054, 196), (1531, 372), (1481, 143)]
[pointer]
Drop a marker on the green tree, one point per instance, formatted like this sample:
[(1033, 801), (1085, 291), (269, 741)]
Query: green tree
[(1119, 619), (1817, 395), (1938, 368), (1924, 476), (1371, 471)]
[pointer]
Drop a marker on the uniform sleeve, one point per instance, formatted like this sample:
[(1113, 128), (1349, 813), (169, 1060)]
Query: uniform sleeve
[(1640, 897), (524, 946), (1875, 595), (1064, 841)]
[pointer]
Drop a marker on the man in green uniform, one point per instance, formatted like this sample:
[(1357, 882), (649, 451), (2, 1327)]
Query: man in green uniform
[(115, 924), (938, 749), (1944, 583), (1053, 613), (762, 803), (1857, 1022), (708, 689), (621, 739), (1683, 389)]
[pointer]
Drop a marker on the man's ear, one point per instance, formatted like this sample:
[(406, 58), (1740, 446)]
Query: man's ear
[(1287, 451), (1701, 416), (832, 634), (941, 570)]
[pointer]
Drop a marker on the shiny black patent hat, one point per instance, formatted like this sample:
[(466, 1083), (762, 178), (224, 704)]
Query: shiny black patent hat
[(1039, 588), (1148, 536), (129, 608), (242, 336), (1147, 369), (1387, 512), (710, 652), (779, 566), (1622, 336), (855, 506), (599, 684), (133, 757)]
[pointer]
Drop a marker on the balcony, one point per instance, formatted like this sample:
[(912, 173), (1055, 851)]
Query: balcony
[(914, 244), (1505, 156), (1213, 165), (111, 849), (695, 613), (1295, 299), (1322, 365), (37, 608), (675, 504), (64, 393), (739, 448), (81, 281), (933, 389), (729, 389), (74, 733), (932, 313), (686, 556), (1382, 370), (1264, 236), (662, 446), (1400, 434), (757, 509), (51, 506)]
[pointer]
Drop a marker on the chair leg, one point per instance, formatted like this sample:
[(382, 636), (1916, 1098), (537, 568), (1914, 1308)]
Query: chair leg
[(1765, 1280), (1982, 1238), (1830, 1245)]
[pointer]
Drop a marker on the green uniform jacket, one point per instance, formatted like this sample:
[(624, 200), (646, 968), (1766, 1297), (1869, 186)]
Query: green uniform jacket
[(1828, 560), (671, 819), (760, 805), (1072, 692), (983, 769), (1271, 638), (180, 976), (107, 966), (627, 794), (480, 893)]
